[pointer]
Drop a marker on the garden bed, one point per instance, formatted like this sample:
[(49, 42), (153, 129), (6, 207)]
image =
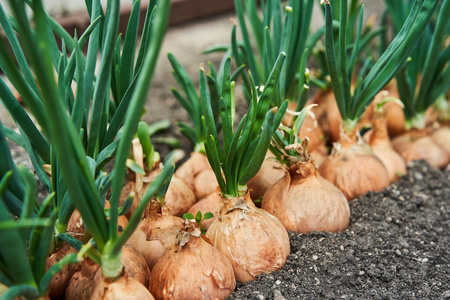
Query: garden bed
[(396, 247)]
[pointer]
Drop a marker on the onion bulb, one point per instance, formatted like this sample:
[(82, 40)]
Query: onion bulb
[(305, 202), (198, 175), (179, 197), (82, 283), (253, 240), (354, 169), (441, 137), (147, 238), (192, 268), (60, 280), (417, 145), (382, 147), (270, 172), (123, 288)]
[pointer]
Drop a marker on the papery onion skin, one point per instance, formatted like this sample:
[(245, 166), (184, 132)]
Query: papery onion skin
[(179, 197), (416, 145), (147, 237), (441, 137), (198, 166), (82, 283), (355, 170), (304, 202), (196, 270), (60, 280), (382, 147), (124, 288), (254, 241), (267, 176)]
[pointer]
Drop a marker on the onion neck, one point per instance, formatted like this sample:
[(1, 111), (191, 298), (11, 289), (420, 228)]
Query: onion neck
[(380, 131), (112, 268), (417, 121)]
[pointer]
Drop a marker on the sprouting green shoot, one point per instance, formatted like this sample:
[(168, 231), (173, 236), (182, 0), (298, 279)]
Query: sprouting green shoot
[(243, 150), (281, 28), (199, 218), (429, 61), (190, 100), (352, 103)]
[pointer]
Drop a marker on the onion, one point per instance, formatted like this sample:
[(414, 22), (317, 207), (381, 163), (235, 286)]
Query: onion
[(212, 204), (179, 197), (254, 241), (123, 288), (354, 169), (441, 137), (328, 114), (82, 283), (270, 172), (147, 237), (198, 166), (382, 147), (192, 269), (89, 275), (416, 145), (310, 128), (305, 202), (134, 265), (60, 280)]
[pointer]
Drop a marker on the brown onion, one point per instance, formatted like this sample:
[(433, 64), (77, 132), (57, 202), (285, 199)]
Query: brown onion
[(60, 280), (198, 165), (179, 197), (253, 240), (417, 145), (82, 283), (192, 269), (123, 288), (212, 204), (382, 147), (270, 172), (305, 202), (147, 237), (134, 265), (441, 137), (89, 275), (354, 169)]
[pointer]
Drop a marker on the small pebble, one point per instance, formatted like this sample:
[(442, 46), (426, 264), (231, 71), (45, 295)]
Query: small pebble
[(278, 282), (277, 295), (315, 257)]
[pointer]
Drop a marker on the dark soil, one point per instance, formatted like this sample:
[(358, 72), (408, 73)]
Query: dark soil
[(396, 247)]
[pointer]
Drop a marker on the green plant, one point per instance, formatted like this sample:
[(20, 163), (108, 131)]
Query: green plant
[(425, 77), (24, 243), (190, 99), (243, 150), (78, 156), (118, 74), (199, 218), (352, 103)]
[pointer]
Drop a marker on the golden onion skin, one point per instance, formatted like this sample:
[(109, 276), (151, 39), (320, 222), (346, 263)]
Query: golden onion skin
[(60, 280), (148, 238), (355, 170), (124, 288), (416, 145), (441, 137), (198, 166), (179, 197), (304, 202), (267, 176), (253, 240), (82, 283), (192, 269), (382, 147)]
